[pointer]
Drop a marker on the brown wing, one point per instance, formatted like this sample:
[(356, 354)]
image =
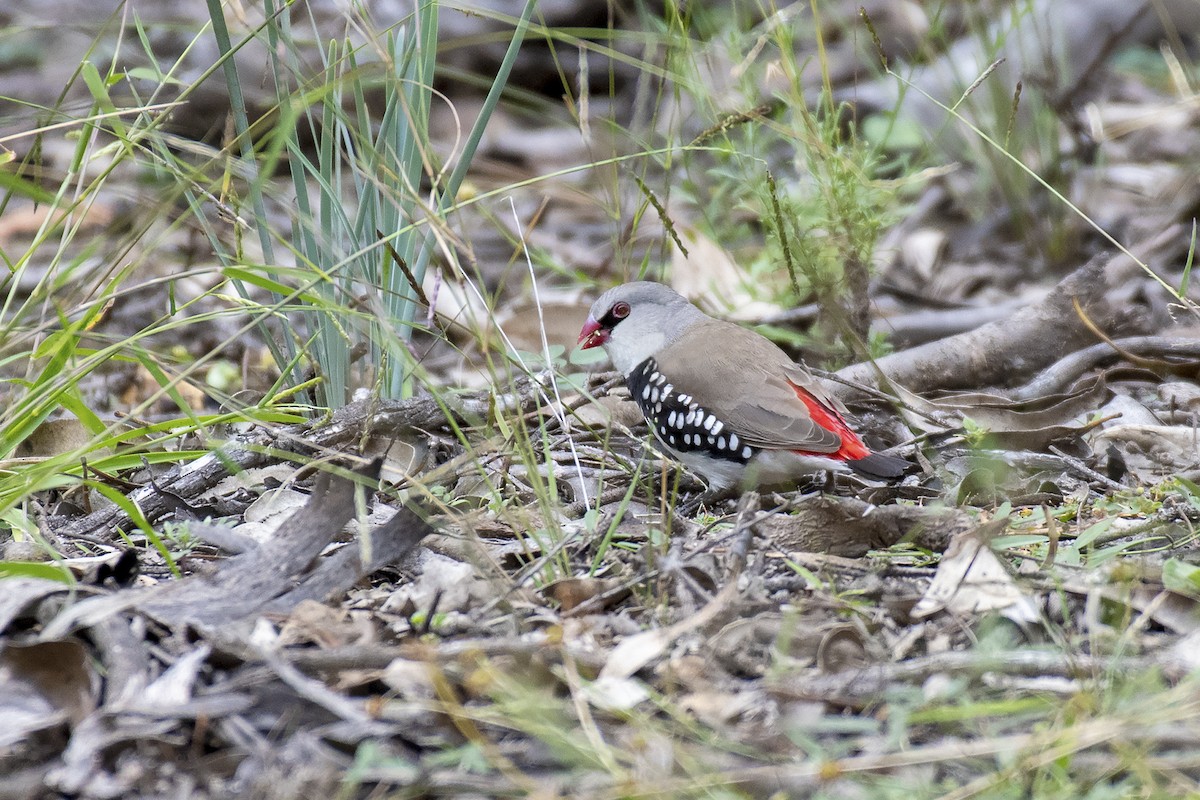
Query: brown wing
[(743, 379)]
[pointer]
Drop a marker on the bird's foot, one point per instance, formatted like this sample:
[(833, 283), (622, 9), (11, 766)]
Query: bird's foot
[(706, 499)]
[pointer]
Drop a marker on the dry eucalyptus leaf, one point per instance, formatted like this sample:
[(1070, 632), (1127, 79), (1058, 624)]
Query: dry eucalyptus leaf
[(561, 316), (404, 454), (316, 623), (1155, 449), (922, 250), (21, 597), (1121, 409), (410, 679), (635, 652), (616, 694), (269, 512), (745, 646), (842, 647), (717, 708), (1181, 395), (609, 411), (572, 592), (44, 685), (1029, 424), (971, 579), (453, 584), (55, 437), (709, 276), (174, 687)]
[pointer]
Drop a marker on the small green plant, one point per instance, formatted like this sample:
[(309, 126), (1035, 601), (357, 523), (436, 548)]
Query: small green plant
[(384, 243)]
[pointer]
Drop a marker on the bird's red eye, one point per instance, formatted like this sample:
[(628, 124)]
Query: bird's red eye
[(620, 310)]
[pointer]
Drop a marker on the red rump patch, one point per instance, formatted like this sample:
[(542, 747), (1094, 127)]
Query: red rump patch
[(852, 447)]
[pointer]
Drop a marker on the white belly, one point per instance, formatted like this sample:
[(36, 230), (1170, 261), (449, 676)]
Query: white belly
[(767, 468)]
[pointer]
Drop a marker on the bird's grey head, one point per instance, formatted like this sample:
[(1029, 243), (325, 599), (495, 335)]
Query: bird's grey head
[(634, 321)]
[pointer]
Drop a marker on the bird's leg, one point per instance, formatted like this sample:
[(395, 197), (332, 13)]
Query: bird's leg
[(815, 482), (707, 498)]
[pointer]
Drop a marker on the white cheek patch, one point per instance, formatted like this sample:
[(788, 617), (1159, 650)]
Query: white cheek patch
[(630, 346)]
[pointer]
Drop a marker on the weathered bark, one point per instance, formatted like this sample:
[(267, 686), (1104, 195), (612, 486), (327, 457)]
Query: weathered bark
[(1010, 350)]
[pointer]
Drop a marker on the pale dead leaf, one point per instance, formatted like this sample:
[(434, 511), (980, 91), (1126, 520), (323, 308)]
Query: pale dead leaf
[(717, 708), (453, 584), (922, 250), (175, 686), (1155, 448), (1181, 395), (145, 384), (709, 277), (283, 472), (562, 316), (635, 652), (55, 437), (971, 579), (325, 626), (266, 514), (616, 694), (404, 454), (609, 411), (27, 221), (409, 678)]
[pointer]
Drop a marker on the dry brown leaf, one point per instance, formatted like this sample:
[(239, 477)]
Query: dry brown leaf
[(44, 685), (572, 592), (27, 221), (1019, 424), (609, 410), (561, 317), (325, 626)]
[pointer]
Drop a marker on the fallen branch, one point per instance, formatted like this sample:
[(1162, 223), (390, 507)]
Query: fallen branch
[(1004, 351)]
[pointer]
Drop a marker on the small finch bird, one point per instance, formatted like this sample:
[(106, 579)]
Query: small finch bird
[(724, 400)]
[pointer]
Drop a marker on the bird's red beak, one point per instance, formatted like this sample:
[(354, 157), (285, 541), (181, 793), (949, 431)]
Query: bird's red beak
[(592, 335)]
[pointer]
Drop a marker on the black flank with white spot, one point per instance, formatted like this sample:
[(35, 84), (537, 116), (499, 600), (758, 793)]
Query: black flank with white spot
[(678, 420)]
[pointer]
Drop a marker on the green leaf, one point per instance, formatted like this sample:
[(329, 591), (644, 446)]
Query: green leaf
[(1093, 532), (1181, 577), (1098, 557), (72, 401), (582, 358), (36, 569), (1187, 267), (19, 186), (95, 84), (1189, 489), (1018, 540), (147, 74)]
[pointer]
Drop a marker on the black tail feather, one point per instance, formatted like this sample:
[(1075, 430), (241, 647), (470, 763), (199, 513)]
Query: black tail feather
[(879, 466)]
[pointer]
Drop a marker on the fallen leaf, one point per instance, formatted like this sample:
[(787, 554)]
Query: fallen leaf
[(971, 579)]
